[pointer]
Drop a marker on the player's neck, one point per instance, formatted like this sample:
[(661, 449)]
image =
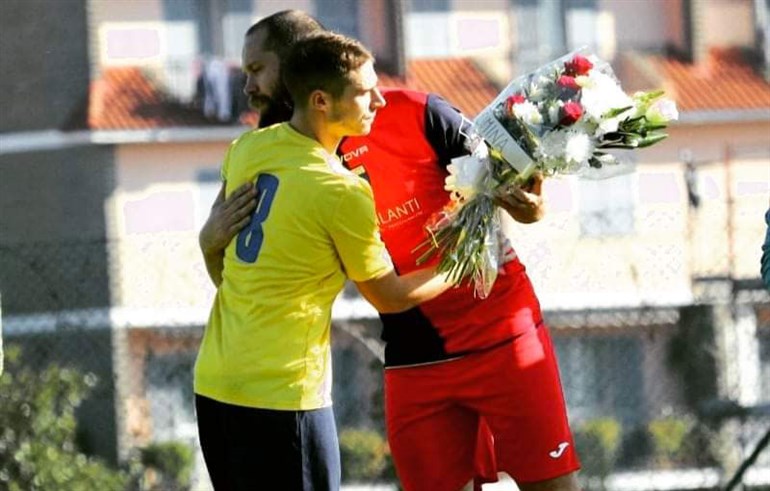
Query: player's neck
[(315, 128)]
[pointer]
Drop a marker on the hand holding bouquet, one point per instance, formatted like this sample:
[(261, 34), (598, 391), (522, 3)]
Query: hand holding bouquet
[(563, 118)]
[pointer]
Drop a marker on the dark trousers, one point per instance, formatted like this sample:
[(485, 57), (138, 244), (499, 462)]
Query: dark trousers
[(249, 449)]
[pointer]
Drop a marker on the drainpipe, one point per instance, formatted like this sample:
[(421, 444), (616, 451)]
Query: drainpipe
[(762, 36), (694, 12), (396, 28)]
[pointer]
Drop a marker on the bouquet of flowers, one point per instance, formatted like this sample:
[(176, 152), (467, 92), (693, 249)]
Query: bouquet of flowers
[(567, 117)]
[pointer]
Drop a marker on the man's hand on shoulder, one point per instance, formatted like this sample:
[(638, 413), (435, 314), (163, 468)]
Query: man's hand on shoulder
[(227, 218), (524, 204)]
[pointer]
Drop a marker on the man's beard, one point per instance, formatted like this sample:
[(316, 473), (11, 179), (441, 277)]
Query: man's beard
[(276, 109)]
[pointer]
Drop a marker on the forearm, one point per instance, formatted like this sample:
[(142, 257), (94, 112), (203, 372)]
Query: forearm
[(391, 293), (215, 264), (227, 218), (420, 286)]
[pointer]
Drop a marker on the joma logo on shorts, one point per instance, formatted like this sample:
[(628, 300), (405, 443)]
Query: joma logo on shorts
[(355, 153), (555, 454)]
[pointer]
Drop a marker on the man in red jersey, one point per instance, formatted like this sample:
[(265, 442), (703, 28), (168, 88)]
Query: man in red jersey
[(471, 386)]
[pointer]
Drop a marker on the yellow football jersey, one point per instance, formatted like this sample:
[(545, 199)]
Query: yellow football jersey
[(267, 342)]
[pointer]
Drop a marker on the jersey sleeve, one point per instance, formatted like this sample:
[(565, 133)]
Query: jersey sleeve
[(445, 128), (226, 162), (355, 235)]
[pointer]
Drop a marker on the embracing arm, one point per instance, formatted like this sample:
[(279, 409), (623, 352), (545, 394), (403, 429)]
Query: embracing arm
[(227, 218), (391, 293)]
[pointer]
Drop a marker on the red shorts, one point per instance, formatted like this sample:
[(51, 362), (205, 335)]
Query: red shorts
[(437, 417)]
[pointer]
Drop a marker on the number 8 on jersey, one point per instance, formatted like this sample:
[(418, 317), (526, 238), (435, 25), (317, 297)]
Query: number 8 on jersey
[(249, 240)]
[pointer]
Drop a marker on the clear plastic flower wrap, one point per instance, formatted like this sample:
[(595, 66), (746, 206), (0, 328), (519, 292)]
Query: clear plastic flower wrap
[(467, 232), (569, 116)]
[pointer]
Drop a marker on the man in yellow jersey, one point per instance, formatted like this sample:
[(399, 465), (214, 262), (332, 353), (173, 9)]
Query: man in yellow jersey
[(265, 44), (263, 373)]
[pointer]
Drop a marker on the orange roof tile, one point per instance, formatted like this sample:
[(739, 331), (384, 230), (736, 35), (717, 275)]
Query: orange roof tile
[(725, 80), (125, 98), (456, 79)]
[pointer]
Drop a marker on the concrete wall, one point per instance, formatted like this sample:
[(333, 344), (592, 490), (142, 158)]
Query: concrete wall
[(53, 259), (44, 64), (155, 213), (52, 229)]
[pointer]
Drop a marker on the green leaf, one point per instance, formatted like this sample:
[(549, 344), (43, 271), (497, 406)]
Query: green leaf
[(652, 140), (614, 112)]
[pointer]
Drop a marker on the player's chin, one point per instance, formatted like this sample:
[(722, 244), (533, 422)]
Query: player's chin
[(364, 128), (366, 125)]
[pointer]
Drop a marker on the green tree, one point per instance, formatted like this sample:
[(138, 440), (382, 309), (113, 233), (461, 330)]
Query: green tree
[(598, 441), (669, 437), (38, 428), (363, 454), (173, 460)]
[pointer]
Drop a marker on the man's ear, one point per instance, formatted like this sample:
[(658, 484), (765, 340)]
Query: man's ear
[(320, 100)]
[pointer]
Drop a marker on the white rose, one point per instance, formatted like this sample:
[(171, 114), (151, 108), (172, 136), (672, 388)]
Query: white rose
[(528, 112), (465, 176), (662, 111), (601, 93)]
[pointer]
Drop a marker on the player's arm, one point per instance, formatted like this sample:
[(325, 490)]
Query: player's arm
[(366, 262), (446, 129), (228, 216), (391, 293)]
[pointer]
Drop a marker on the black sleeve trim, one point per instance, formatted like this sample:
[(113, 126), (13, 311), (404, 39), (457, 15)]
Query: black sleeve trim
[(445, 128)]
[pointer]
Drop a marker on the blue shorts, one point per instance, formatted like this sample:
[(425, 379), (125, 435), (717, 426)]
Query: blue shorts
[(249, 449)]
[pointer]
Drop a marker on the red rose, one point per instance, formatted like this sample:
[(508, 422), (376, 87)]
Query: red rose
[(579, 65), (570, 113), (567, 82), (514, 99)]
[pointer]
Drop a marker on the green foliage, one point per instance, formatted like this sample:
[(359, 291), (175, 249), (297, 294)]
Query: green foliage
[(364, 455), (668, 437), (38, 428), (598, 442), (173, 460), (691, 354)]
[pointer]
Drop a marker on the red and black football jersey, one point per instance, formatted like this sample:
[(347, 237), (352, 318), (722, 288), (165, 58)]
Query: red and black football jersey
[(404, 158)]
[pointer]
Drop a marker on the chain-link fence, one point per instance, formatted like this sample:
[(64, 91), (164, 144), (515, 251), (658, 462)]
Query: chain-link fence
[(661, 326)]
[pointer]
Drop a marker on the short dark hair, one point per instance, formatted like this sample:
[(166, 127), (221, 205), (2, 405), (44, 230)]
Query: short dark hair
[(321, 61), (284, 29)]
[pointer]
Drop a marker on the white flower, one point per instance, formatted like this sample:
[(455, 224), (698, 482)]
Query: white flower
[(564, 150), (465, 178), (528, 112), (608, 126), (537, 91), (554, 112), (579, 149), (662, 111), (601, 93)]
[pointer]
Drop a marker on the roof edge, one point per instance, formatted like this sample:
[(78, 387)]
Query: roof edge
[(31, 141), (712, 116)]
